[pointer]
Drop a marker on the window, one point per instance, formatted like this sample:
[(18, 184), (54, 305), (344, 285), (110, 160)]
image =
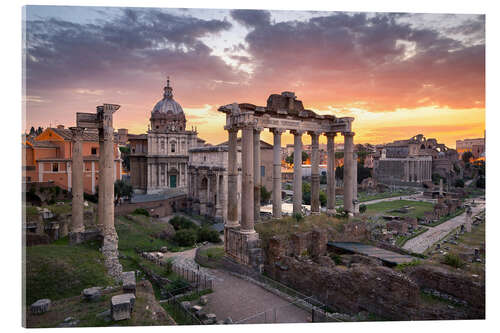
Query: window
[(94, 151), (172, 148), (55, 167), (262, 171), (162, 145)]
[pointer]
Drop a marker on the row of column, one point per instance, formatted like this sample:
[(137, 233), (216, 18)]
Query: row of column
[(105, 209), (251, 180), (418, 170), (196, 192), (158, 170)]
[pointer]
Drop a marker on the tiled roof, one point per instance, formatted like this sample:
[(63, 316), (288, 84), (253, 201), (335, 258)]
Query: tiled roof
[(88, 135)]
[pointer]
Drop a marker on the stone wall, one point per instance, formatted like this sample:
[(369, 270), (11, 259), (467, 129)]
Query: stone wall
[(159, 208), (378, 290), (459, 285)]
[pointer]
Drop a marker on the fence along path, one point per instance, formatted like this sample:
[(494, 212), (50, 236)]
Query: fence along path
[(202, 280)]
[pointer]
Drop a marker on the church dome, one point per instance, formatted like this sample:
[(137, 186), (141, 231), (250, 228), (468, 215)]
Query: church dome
[(168, 104), (167, 115)]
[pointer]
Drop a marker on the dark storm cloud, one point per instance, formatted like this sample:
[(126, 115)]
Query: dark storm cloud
[(62, 54), (251, 18)]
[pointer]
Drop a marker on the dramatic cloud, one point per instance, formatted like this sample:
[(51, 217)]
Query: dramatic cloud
[(375, 59), (368, 64)]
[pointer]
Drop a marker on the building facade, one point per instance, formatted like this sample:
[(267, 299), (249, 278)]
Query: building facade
[(413, 161), (159, 158), (208, 181), (474, 146), (48, 158)]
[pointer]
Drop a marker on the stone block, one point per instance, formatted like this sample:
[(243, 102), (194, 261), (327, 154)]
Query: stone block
[(186, 305), (196, 309), (40, 306), (92, 294), (122, 306), (228, 320), (129, 284), (211, 319), (203, 300)]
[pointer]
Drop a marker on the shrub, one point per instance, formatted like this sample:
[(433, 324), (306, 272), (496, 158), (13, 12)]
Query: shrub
[(186, 237), (459, 183), (141, 211), (362, 208), (337, 259), (179, 222), (453, 260), (298, 217), (206, 234)]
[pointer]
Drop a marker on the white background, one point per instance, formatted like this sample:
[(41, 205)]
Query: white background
[(11, 129)]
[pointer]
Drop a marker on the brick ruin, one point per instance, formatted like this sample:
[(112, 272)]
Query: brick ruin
[(362, 284)]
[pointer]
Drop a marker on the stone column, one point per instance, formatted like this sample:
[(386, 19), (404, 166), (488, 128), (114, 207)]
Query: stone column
[(232, 181), (106, 171), (100, 183), (277, 173), (297, 172), (348, 172), (106, 192), (330, 173), (256, 173), (77, 227), (218, 198), (315, 173), (247, 180), (355, 183)]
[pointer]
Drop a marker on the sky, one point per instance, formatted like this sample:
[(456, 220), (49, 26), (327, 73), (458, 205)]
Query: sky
[(398, 74)]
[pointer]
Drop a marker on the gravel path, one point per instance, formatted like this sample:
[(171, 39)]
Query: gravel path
[(422, 242), (240, 299)]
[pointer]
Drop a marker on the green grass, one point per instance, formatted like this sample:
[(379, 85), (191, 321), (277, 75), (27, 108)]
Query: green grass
[(385, 207), (213, 252), (288, 225), (31, 212), (59, 270), (363, 196)]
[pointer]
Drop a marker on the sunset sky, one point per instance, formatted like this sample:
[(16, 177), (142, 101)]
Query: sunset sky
[(397, 74)]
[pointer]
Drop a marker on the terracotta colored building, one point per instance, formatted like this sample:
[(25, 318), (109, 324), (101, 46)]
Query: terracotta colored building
[(48, 158)]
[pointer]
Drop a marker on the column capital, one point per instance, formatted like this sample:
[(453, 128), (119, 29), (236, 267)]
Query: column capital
[(349, 134), (277, 130), (258, 129), (314, 133), (297, 132), (232, 128), (77, 132), (107, 108), (331, 134)]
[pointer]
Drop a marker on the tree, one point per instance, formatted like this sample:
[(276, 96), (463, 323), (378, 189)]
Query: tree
[(289, 159), (467, 156), (339, 172), (39, 130), (265, 195), (322, 198), (32, 131), (122, 189), (125, 152), (363, 172), (306, 193)]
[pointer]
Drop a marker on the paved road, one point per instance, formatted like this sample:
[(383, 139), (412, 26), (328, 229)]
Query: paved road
[(422, 242), (240, 299)]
